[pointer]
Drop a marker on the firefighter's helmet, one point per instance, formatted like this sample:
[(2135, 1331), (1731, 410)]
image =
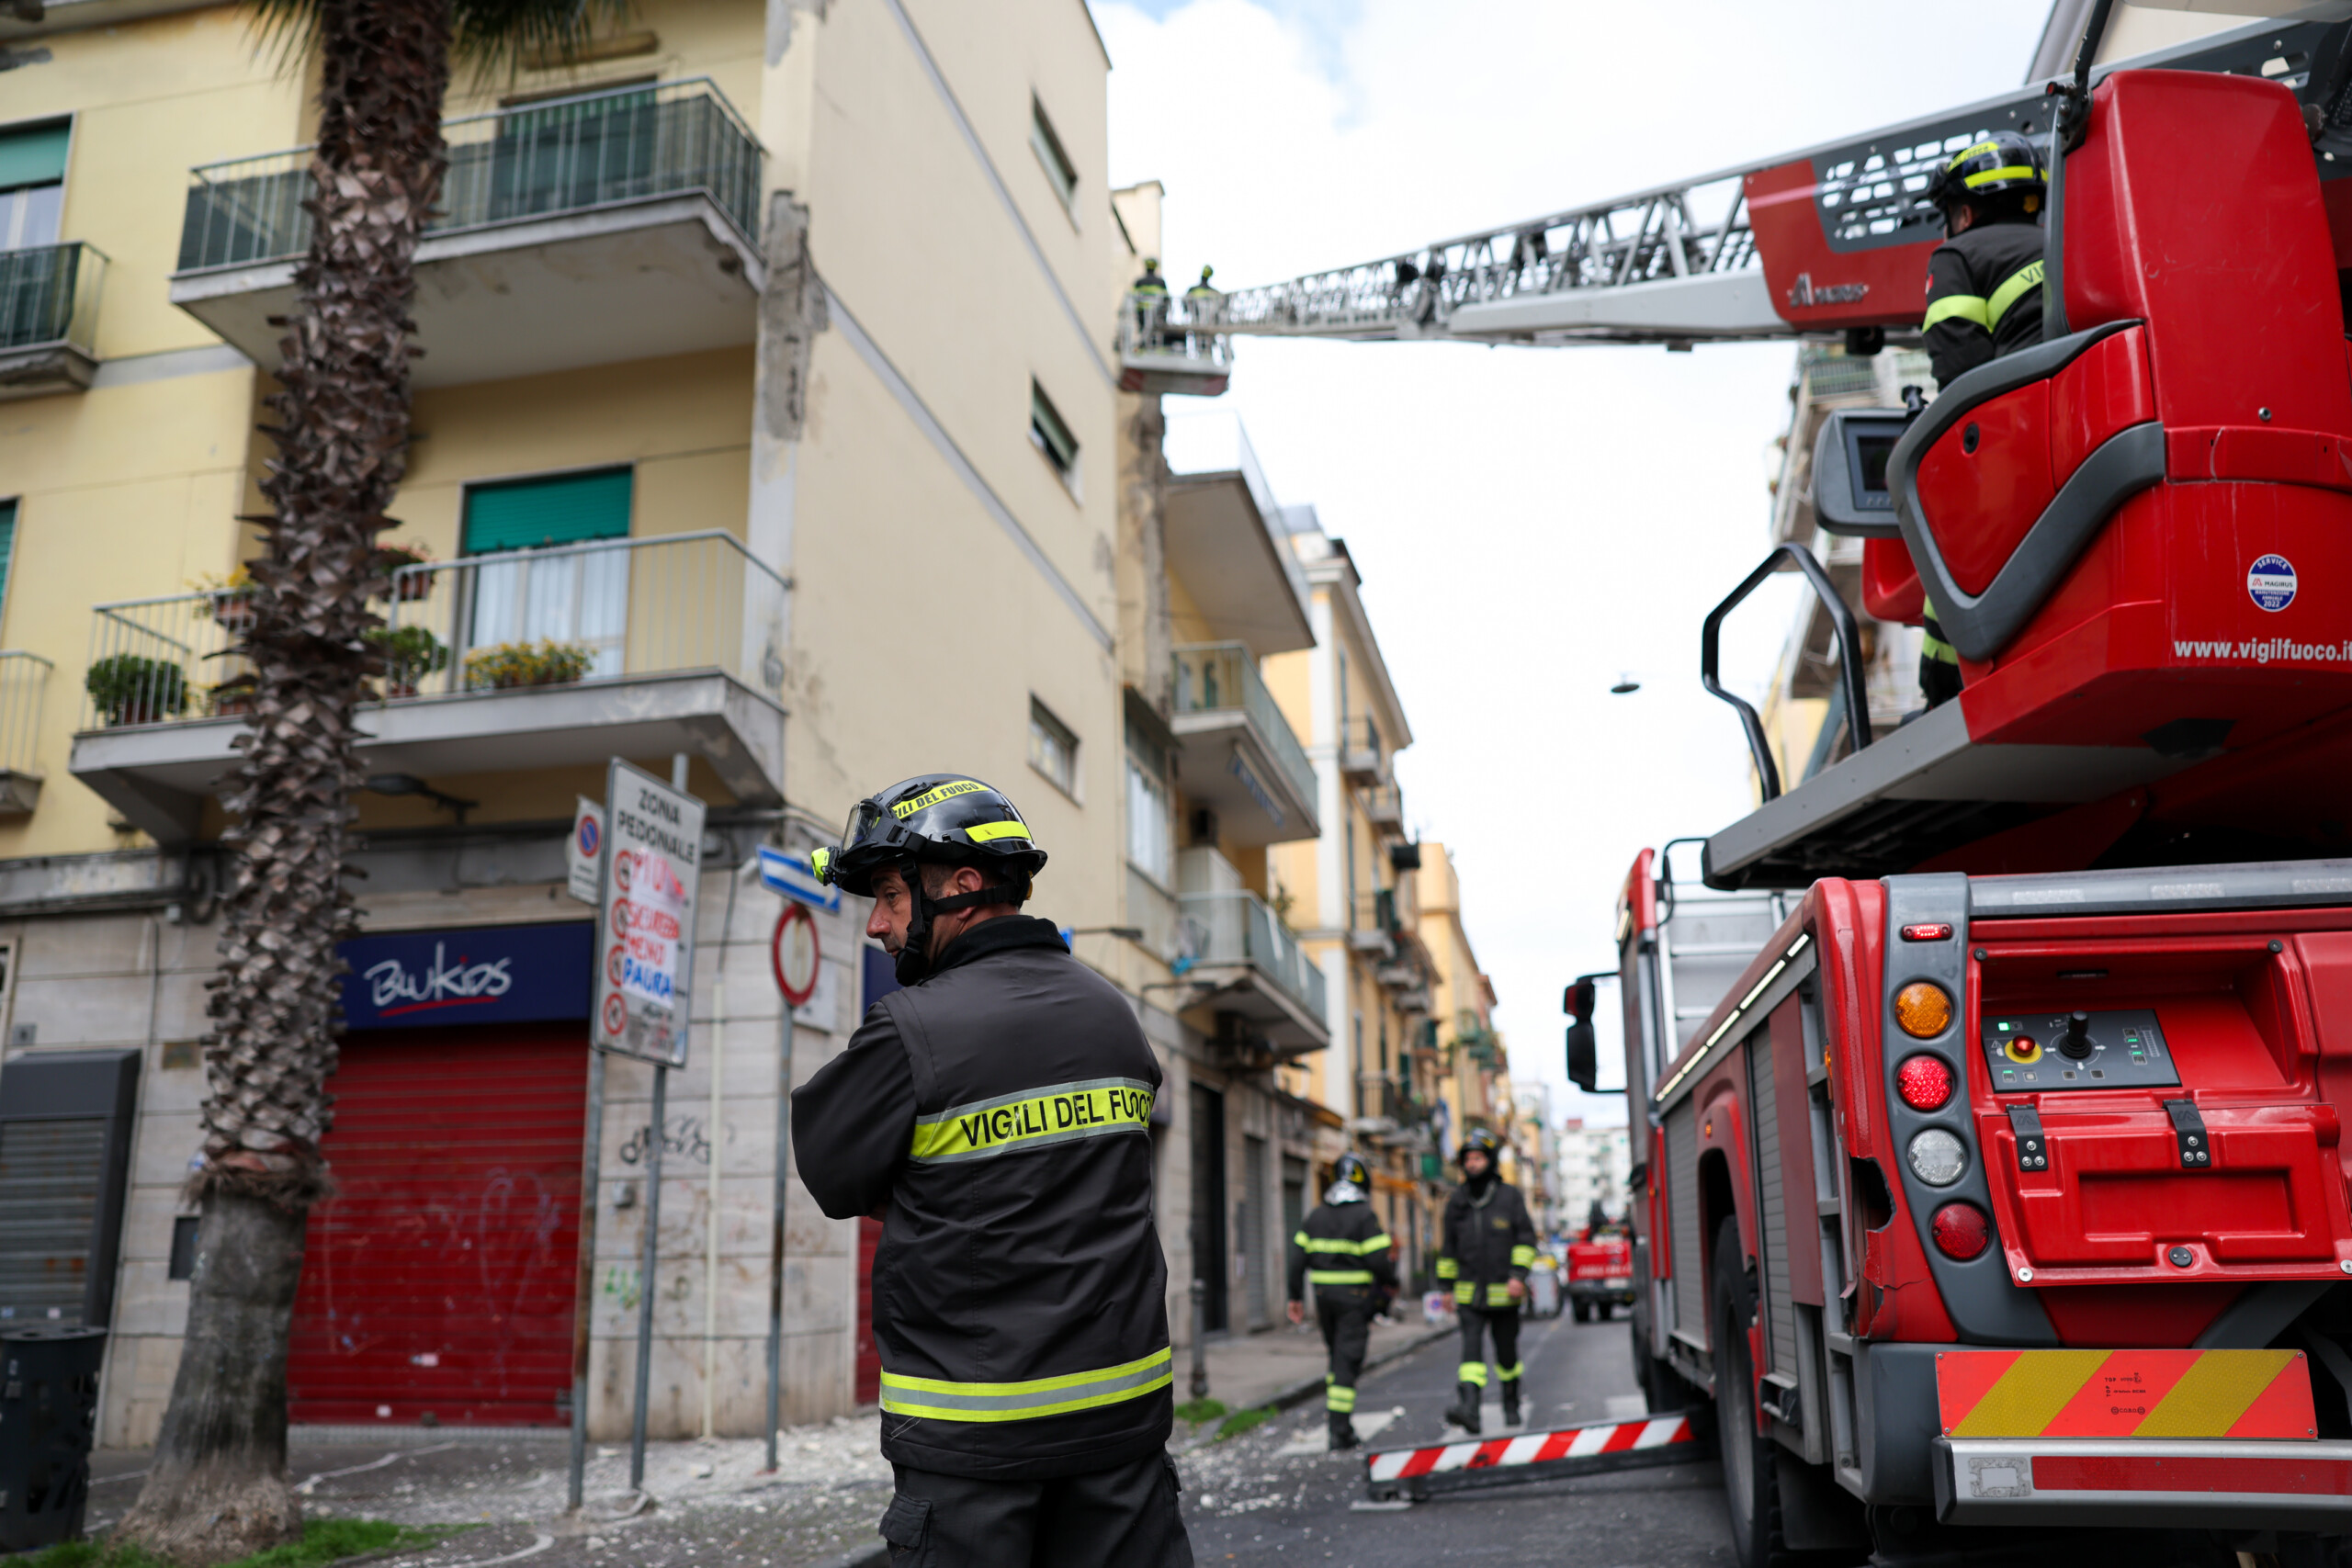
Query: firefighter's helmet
[(944, 818), (2005, 163), (1484, 1141), (1351, 1169)]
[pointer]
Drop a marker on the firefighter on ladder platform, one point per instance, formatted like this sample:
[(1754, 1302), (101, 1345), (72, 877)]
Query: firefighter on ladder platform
[(1489, 1245), (1342, 1252), (1983, 298)]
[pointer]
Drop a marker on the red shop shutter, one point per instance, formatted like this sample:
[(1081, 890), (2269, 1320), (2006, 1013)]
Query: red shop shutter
[(869, 1358), (439, 1278)]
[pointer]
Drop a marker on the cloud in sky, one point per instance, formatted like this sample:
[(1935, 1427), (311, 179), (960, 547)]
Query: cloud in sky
[(1529, 523)]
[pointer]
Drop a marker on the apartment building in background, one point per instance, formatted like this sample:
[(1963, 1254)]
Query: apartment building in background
[(708, 464), (1596, 1167)]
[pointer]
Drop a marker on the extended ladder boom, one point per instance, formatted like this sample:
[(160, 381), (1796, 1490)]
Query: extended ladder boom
[(1821, 242)]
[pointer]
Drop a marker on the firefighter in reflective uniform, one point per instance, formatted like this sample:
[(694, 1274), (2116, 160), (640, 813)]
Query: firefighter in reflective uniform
[(1341, 1251), (1489, 1247), (1147, 297), (1983, 298), (995, 1115)]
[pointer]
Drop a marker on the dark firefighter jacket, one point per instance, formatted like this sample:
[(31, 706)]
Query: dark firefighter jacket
[(1000, 1110), (1341, 1251), (1984, 296), (1488, 1242)]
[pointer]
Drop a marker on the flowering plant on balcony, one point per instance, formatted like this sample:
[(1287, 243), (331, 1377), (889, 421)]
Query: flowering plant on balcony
[(129, 689), (393, 555), (511, 664), (411, 653), (233, 602), (230, 697)]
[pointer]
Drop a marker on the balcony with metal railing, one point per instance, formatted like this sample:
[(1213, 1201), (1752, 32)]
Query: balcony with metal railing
[(1240, 756), (610, 226), (1165, 345), (1244, 960), (24, 689), (494, 664), (1361, 757), (49, 319)]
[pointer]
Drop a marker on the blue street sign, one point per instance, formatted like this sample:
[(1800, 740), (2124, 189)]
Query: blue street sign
[(791, 875)]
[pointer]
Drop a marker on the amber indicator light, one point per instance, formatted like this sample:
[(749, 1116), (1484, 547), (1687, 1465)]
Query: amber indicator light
[(1923, 1009)]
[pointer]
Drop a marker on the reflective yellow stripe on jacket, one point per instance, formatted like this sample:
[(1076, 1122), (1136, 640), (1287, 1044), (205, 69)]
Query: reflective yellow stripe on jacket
[(1984, 311), (1522, 1257), (1012, 1123), (937, 1399), (1334, 1246), (1447, 1269)]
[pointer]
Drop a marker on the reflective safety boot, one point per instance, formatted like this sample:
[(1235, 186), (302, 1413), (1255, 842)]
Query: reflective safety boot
[(1511, 1403), (1464, 1411), (1344, 1431)]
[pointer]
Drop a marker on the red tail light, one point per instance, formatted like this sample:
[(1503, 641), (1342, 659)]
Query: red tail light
[(1960, 1230), (1924, 1081)]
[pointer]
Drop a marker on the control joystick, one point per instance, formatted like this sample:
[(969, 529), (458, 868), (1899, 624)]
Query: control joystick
[(2076, 1042)]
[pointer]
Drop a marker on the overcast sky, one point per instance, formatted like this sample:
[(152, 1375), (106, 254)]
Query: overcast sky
[(1529, 523)]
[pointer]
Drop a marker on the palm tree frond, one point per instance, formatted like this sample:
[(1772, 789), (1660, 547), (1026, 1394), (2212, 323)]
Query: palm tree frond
[(498, 37)]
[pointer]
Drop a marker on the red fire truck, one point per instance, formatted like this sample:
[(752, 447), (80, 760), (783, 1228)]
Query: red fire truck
[(1993, 1080)]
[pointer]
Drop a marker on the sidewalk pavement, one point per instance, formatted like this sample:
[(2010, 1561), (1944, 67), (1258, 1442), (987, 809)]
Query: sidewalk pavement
[(1285, 1365)]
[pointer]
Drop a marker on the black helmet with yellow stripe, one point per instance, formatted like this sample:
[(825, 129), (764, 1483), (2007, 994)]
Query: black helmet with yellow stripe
[(2004, 165), (938, 819)]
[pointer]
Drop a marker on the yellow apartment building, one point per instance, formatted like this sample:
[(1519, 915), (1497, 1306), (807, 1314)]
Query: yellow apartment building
[(1351, 893), (1472, 1080), (769, 374)]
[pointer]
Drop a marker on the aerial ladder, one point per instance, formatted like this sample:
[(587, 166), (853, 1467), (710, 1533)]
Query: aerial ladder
[(1994, 1080), (2164, 723)]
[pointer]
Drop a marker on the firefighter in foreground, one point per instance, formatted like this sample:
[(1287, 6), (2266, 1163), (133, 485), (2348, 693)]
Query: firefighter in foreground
[(1489, 1247), (995, 1114), (1983, 298), (1342, 1250)]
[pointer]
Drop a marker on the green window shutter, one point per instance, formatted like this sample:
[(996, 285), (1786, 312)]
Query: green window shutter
[(33, 157), (523, 515), (7, 543)]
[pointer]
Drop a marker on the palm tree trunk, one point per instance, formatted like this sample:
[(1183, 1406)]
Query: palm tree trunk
[(218, 1489)]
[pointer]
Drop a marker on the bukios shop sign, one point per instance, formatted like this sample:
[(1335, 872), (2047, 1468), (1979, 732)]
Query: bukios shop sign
[(469, 974), (646, 920)]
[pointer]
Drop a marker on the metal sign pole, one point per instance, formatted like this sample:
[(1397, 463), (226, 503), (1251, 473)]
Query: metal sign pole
[(775, 1241), (645, 1282), (584, 1285)]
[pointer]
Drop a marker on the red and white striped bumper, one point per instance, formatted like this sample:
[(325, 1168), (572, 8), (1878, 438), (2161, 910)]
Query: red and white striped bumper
[(1532, 1456), (2201, 1482)]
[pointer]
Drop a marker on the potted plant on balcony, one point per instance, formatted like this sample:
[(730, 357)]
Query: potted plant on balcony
[(507, 665), (231, 697), (232, 600), (416, 585), (411, 653), (128, 688)]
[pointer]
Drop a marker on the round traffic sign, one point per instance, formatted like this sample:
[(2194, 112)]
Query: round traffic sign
[(793, 949)]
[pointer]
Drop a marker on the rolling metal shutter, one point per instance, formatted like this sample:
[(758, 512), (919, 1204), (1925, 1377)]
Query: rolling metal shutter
[(65, 1162), (1689, 1247), (439, 1278), (1773, 1228)]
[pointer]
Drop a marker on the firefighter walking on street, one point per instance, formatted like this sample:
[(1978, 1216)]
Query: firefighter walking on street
[(1341, 1251), (1487, 1247), (995, 1114)]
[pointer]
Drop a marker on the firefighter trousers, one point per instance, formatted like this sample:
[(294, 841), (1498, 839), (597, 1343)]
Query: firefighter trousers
[(1476, 1322), (1127, 1515), (1346, 1320)]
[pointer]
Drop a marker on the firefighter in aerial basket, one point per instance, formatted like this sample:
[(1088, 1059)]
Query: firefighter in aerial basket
[(994, 1115), (1341, 1251), (1489, 1247)]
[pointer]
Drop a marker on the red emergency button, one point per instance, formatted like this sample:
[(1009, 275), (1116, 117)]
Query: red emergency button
[(1937, 932)]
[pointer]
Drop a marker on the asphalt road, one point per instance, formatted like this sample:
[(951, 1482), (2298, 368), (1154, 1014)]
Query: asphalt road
[(1273, 1496)]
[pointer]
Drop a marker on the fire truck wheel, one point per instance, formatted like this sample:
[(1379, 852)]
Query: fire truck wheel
[(1584, 1312), (1749, 1485)]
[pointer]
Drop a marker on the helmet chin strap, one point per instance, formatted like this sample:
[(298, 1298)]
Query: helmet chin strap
[(914, 961)]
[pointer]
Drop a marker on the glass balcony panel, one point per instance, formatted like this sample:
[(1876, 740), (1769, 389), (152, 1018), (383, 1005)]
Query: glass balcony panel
[(49, 296), (1222, 676), (530, 162), (1230, 928)]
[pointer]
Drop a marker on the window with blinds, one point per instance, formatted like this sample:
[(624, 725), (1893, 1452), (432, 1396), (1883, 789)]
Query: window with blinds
[(576, 596)]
